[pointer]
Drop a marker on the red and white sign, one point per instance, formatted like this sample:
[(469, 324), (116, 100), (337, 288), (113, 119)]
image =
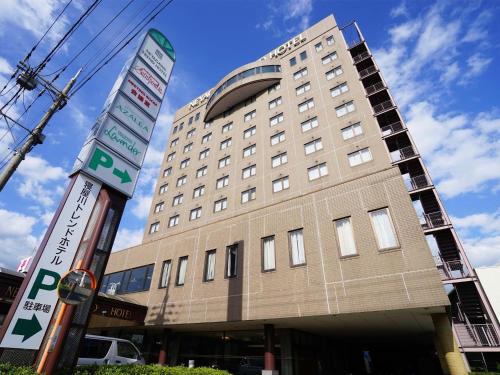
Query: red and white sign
[(150, 79), (157, 59), (134, 90), (24, 265)]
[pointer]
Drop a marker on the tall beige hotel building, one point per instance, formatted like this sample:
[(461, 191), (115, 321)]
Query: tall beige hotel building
[(295, 229)]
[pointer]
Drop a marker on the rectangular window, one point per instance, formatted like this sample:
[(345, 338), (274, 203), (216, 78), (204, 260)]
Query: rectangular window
[(188, 147), (359, 157), (302, 88), (277, 138), (383, 228), (250, 115), (220, 205), (225, 144), (249, 132), (248, 195), (340, 89), (231, 261), (280, 184), (352, 131), (317, 171), (300, 73), (154, 227), (345, 237), (248, 171), (276, 119), (297, 256), (128, 281), (199, 191), (165, 273), (329, 40), (181, 126), (250, 150), (275, 102), (274, 88), (171, 156), (195, 213), (204, 154), (173, 221), (206, 138), (303, 55), (313, 146), (201, 172), (227, 127), (190, 120), (163, 189), (190, 133), (268, 254), (222, 182), (177, 200), (304, 106), (344, 109), (207, 125), (197, 116), (159, 207), (309, 124), (175, 130), (224, 161), (184, 163), (174, 142), (181, 180), (167, 172), (278, 160), (318, 47), (335, 72), (329, 58), (209, 273), (293, 61), (181, 271)]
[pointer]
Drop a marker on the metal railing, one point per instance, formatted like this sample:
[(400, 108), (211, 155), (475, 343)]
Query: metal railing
[(383, 106), (361, 57), (452, 269), (403, 153), (433, 220), (417, 182), (391, 128), (379, 86), (477, 335), (366, 72)]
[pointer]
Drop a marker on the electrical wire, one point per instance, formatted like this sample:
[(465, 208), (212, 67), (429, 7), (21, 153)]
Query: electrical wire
[(97, 68)]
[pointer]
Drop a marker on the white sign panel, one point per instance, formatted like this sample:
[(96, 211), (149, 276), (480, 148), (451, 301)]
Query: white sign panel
[(119, 139), (136, 92), (129, 114), (156, 58), (32, 317), (108, 167), (150, 79)]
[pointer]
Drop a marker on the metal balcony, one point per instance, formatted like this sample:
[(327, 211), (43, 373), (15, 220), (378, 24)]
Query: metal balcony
[(362, 56), (418, 182), (476, 335), (379, 86), (403, 153), (391, 128), (433, 220), (383, 106), (452, 269), (366, 72)]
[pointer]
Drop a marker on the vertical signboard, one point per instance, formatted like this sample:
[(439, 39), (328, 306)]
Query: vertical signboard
[(32, 317)]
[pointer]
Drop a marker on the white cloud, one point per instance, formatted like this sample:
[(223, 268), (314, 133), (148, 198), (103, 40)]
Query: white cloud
[(5, 67), (287, 17), (400, 10), (141, 205), (126, 238), (476, 64), (16, 238)]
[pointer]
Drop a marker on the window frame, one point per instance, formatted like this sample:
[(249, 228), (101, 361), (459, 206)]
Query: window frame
[(290, 250), (160, 281), (205, 268), (226, 268), (280, 136), (393, 227), (156, 226), (281, 179), (252, 192), (262, 241), (337, 238), (317, 166), (221, 200), (251, 130), (175, 218), (252, 167), (280, 155), (177, 276), (199, 188)]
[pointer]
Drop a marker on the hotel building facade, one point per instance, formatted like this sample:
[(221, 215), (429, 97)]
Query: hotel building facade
[(294, 228)]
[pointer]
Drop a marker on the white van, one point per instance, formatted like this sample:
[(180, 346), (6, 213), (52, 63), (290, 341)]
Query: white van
[(101, 350)]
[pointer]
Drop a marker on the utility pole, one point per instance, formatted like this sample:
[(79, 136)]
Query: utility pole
[(36, 137)]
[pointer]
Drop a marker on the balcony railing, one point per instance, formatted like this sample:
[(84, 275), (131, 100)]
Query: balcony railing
[(476, 335), (417, 182), (403, 153), (433, 220), (391, 128), (382, 106), (452, 269), (361, 57), (375, 88), (366, 72)]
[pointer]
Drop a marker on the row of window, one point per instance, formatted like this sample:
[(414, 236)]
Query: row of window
[(318, 47), (382, 226)]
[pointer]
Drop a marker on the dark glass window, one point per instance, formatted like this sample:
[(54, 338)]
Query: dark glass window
[(232, 261), (93, 348), (128, 281), (293, 61), (190, 120), (303, 55), (124, 349)]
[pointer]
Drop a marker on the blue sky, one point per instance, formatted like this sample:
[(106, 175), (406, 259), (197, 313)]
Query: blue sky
[(440, 59)]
